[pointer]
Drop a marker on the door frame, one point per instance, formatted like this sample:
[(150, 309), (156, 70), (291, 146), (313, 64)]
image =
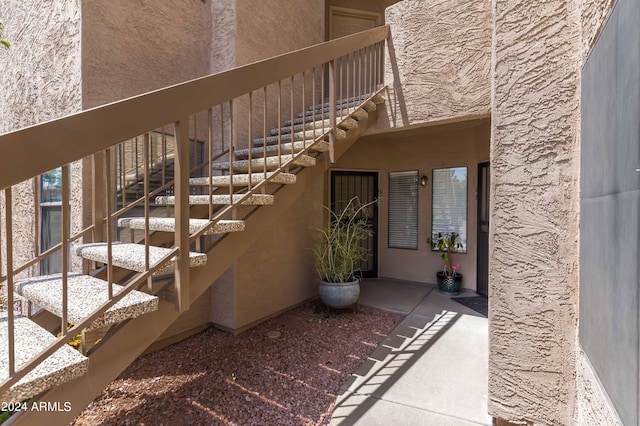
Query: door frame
[(351, 13), (375, 220), (482, 253)]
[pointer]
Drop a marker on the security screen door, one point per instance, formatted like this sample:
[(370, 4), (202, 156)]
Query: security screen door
[(344, 186)]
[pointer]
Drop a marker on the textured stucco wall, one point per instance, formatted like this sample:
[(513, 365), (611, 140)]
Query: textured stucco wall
[(271, 27), (422, 149), (40, 80), (134, 47), (594, 408), (534, 212), (594, 14), (40, 76), (277, 273), (223, 38), (438, 62)]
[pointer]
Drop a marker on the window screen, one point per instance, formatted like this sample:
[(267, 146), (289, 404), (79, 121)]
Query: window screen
[(449, 204), (403, 210)]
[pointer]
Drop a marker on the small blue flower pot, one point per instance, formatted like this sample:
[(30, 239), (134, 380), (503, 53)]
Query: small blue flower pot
[(449, 284)]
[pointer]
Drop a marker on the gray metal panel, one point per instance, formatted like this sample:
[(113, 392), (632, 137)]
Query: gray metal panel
[(610, 208)]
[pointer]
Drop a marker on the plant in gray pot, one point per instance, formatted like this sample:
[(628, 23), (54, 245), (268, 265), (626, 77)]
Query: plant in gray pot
[(449, 279), (338, 252)]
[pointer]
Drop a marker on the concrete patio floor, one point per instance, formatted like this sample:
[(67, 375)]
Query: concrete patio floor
[(431, 370)]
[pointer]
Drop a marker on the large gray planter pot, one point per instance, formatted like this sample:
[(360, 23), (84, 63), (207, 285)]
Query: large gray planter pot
[(339, 295)]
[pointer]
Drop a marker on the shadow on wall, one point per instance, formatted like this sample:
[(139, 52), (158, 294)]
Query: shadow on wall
[(396, 99)]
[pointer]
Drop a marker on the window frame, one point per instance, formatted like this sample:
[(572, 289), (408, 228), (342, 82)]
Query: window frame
[(465, 243), (416, 246)]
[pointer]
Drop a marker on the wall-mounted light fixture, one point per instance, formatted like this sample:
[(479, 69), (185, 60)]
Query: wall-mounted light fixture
[(423, 180)]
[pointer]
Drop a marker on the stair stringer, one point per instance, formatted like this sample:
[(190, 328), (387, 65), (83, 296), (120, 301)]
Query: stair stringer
[(120, 349)]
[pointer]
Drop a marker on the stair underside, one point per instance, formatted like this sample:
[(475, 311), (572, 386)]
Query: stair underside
[(132, 256), (63, 365), (243, 179), (285, 148), (168, 224), (272, 163), (252, 200), (85, 294)]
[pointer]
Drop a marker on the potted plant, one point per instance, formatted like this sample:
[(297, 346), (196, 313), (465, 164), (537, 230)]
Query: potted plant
[(449, 279), (338, 252)]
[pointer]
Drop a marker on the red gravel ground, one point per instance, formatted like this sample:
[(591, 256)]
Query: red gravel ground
[(251, 379)]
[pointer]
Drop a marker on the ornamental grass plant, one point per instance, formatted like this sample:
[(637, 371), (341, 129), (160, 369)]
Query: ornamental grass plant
[(339, 248)]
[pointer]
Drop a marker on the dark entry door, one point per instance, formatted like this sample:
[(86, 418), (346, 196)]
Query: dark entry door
[(483, 228), (364, 185)]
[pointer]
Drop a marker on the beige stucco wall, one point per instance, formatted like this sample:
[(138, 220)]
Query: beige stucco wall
[(134, 47), (534, 216), (40, 76), (438, 62), (223, 35), (593, 16), (423, 150), (40, 80), (271, 27), (277, 273), (593, 405)]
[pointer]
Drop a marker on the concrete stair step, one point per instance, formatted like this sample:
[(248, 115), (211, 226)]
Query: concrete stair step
[(344, 102), (367, 106), (347, 123), (340, 115), (85, 294), (271, 163), (252, 200), (308, 135), (168, 224), (272, 150), (243, 179), (132, 256), (63, 365)]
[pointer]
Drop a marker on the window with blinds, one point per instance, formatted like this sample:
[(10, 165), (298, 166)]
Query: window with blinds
[(403, 210), (449, 203)]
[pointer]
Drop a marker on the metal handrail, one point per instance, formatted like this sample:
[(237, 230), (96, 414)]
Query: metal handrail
[(68, 139)]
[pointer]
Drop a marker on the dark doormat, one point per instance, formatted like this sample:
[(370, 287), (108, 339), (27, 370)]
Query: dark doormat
[(477, 303)]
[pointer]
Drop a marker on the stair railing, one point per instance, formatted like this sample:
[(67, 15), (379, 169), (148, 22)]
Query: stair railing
[(218, 110)]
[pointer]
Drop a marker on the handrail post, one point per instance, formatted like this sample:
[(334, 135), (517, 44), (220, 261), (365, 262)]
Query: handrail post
[(98, 196), (182, 213), (66, 233), (332, 109), (8, 199)]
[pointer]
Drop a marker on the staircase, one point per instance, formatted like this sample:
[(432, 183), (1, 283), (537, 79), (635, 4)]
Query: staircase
[(130, 292)]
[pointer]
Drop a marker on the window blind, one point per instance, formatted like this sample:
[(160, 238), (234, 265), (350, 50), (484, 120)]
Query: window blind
[(403, 210), (449, 203)]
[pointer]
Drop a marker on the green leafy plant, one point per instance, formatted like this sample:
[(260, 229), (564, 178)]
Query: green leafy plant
[(3, 41), (338, 249), (446, 243)]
